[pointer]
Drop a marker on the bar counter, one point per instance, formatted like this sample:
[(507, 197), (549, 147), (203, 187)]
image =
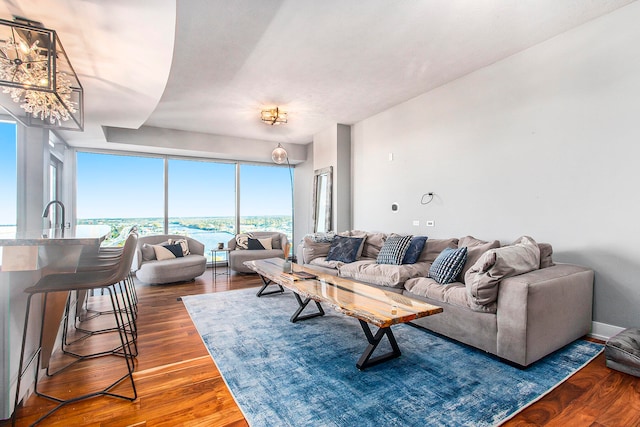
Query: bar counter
[(26, 257)]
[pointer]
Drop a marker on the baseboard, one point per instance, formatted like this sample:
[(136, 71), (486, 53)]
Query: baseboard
[(603, 331)]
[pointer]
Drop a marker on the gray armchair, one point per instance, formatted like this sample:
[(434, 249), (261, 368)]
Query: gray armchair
[(150, 270), (238, 256)]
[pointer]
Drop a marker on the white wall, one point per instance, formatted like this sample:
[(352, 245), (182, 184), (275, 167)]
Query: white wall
[(332, 147), (545, 143)]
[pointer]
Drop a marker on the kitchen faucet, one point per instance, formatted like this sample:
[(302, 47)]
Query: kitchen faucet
[(45, 213)]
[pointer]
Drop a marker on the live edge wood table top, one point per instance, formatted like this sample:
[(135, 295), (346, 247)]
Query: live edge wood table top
[(368, 304)]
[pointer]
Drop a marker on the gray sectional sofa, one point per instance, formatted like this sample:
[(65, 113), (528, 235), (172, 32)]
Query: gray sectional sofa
[(512, 300), (151, 270)]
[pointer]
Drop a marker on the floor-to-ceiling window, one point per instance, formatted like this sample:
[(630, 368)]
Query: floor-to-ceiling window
[(8, 177), (201, 201), (120, 191), (265, 199), (200, 197)]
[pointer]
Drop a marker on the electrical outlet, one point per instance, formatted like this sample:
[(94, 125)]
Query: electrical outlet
[(416, 223), (431, 223)]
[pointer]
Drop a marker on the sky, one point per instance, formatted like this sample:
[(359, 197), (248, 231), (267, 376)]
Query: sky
[(8, 177), (115, 186)]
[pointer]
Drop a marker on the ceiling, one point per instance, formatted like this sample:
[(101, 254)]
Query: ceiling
[(207, 67)]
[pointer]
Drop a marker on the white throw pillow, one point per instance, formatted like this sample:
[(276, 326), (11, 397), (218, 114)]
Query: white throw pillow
[(266, 243), (162, 253)]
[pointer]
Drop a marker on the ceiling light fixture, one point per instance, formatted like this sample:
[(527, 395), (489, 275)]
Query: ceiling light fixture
[(273, 116), (42, 87)]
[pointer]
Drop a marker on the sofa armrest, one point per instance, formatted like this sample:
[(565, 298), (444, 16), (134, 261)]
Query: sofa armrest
[(137, 259), (195, 247), (543, 310), (231, 244)]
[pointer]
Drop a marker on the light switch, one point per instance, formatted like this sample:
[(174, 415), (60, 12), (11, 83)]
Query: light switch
[(416, 222), (431, 223)]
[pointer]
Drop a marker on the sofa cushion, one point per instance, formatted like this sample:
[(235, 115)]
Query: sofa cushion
[(483, 277), (475, 249), (453, 293), (448, 265), (345, 249), (312, 249), (393, 250), (387, 275), (414, 250), (434, 247), (323, 262), (373, 244)]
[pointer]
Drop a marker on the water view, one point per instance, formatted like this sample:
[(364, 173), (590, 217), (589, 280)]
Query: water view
[(208, 230)]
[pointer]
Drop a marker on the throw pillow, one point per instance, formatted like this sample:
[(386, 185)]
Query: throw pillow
[(183, 243), (254, 244), (312, 249), (163, 253), (175, 248), (414, 250), (242, 241), (324, 237), (345, 249), (266, 243), (393, 250), (359, 234), (448, 265), (483, 277), (475, 249), (148, 254)]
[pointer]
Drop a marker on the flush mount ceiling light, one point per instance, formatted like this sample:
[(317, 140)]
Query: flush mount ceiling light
[(40, 86), (273, 116)]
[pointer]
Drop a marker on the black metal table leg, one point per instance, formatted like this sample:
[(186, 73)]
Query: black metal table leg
[(297, 315), (268, 282), (365, 360)]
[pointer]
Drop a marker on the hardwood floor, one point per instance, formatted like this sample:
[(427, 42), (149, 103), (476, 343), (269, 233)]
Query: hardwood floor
[(178, 383)]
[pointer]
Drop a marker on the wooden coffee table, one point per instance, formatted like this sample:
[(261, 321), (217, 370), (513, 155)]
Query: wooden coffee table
[(368, 304)]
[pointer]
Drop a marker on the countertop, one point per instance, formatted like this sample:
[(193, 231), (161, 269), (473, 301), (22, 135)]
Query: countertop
[(76, 235)]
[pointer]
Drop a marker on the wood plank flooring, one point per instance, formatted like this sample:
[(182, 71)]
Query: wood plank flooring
[(179, 385)]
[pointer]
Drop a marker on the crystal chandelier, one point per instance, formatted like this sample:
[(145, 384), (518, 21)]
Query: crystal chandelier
[(40, 84), (273, 116)]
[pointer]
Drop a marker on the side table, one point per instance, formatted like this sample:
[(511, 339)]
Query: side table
[(214, 270)]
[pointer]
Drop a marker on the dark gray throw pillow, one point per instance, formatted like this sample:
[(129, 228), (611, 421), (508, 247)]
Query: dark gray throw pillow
[(344, 249), (254, 244), (176, 249)]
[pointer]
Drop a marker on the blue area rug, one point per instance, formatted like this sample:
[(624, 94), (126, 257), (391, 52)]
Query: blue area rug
[(304, 374)]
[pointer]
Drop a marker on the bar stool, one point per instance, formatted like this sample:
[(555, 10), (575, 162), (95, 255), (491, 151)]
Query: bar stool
[(67, 282), (105, 259)]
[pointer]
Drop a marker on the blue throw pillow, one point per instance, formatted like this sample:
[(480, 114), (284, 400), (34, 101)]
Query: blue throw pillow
[(414, 250), (393, 250), (448, 265), (344, 249)]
